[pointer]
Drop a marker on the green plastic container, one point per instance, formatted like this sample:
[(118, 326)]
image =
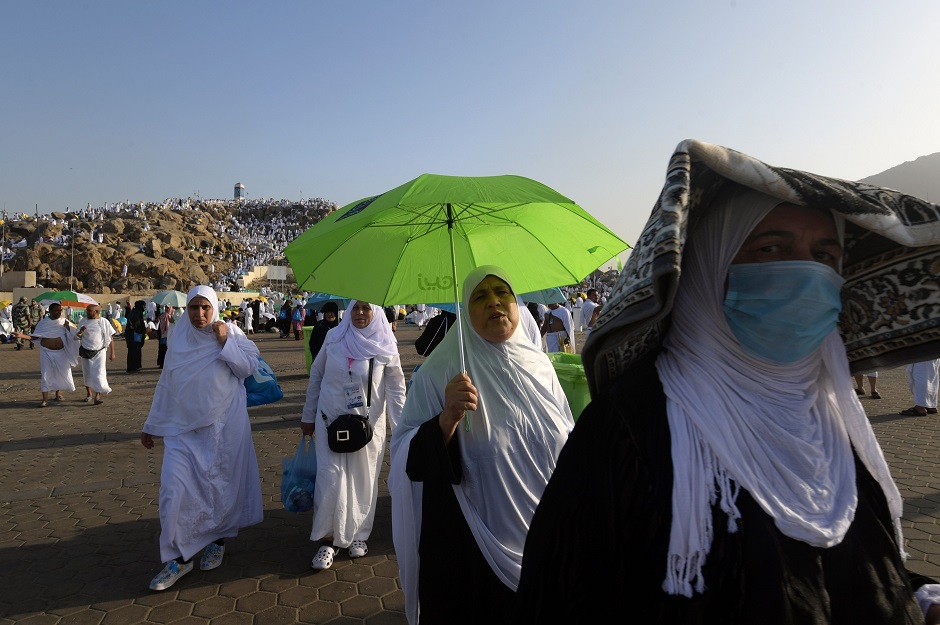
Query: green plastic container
[(570, 372), (308, 357)]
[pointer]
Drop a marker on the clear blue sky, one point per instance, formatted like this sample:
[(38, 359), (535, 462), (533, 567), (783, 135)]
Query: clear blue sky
[(109, 100)]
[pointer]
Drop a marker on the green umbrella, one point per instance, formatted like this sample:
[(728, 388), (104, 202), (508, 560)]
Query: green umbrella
[(416, 242)]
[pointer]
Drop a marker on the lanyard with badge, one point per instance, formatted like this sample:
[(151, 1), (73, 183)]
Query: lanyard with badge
[(352, 390)]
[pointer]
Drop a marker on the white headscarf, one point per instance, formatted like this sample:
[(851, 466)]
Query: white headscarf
[(521, 423), (376, 339), (196, 387), (782, 432)]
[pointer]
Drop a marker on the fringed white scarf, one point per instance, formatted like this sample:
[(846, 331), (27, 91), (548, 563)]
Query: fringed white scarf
[(784, 433)]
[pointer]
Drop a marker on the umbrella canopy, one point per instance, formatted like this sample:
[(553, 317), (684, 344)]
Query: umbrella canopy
[(66, 298), (317, 300), (545, 296), (177, 299), (417, 241), (5, 302)]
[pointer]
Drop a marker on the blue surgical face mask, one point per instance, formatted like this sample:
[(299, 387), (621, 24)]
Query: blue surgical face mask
[(781, 311)]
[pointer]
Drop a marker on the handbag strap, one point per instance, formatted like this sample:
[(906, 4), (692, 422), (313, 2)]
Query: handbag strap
[(369, 387)]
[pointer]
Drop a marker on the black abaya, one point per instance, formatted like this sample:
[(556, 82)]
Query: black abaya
[(597, 544), (456, 585)]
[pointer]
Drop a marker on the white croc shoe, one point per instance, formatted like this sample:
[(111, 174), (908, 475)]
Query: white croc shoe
[(358, 548), (324, 558)]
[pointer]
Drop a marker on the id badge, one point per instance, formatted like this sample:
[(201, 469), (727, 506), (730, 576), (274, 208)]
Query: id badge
[(353, 396)]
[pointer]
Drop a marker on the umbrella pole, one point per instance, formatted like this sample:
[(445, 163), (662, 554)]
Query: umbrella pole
[(453, 266)]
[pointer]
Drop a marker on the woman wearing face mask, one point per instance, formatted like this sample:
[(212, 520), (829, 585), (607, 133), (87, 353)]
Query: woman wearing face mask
[(358, 371), (726, 471), (209, 483)]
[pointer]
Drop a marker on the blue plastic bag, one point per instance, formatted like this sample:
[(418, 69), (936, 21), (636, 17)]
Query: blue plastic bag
[(299, 476), (262, 385)]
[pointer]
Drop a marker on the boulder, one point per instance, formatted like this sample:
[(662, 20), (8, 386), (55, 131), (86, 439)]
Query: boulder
[(114, 226), (174, 253)]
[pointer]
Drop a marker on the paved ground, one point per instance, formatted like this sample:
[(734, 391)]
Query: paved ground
[(79, 525)]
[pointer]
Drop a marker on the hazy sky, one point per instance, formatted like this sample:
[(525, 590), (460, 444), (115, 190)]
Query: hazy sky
[(105, 101)]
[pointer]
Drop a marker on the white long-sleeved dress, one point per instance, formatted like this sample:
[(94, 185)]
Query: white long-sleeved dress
[(347, 485)]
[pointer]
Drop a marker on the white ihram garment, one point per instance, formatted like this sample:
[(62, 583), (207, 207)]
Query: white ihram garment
[(553, 340), (924, 381), (55, 365), (97, 336)]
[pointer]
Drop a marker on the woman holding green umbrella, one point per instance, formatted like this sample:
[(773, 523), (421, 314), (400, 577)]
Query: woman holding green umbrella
[(462, 500)]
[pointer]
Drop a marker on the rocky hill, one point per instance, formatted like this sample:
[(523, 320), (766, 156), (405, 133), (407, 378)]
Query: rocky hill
[(920, 178), (172, 245)]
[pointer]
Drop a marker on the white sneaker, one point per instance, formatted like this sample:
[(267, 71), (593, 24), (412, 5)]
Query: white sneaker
[(324, 558), (170, 573), (358, 548)]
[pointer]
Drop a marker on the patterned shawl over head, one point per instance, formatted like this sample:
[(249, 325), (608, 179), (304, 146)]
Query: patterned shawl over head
[(891, 300)]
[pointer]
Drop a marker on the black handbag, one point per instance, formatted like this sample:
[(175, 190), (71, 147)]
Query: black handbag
[(350, 432)]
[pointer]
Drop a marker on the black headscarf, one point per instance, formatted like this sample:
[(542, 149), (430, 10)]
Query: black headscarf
[(323, 326)]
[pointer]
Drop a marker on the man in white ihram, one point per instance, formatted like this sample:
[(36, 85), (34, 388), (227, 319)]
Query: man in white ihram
[(588, 311), (558, 329)]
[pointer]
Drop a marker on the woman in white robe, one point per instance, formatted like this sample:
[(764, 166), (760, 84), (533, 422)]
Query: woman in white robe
[(347, 484), (463, 497), (95, 335), (209, 485), (58, 353)]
